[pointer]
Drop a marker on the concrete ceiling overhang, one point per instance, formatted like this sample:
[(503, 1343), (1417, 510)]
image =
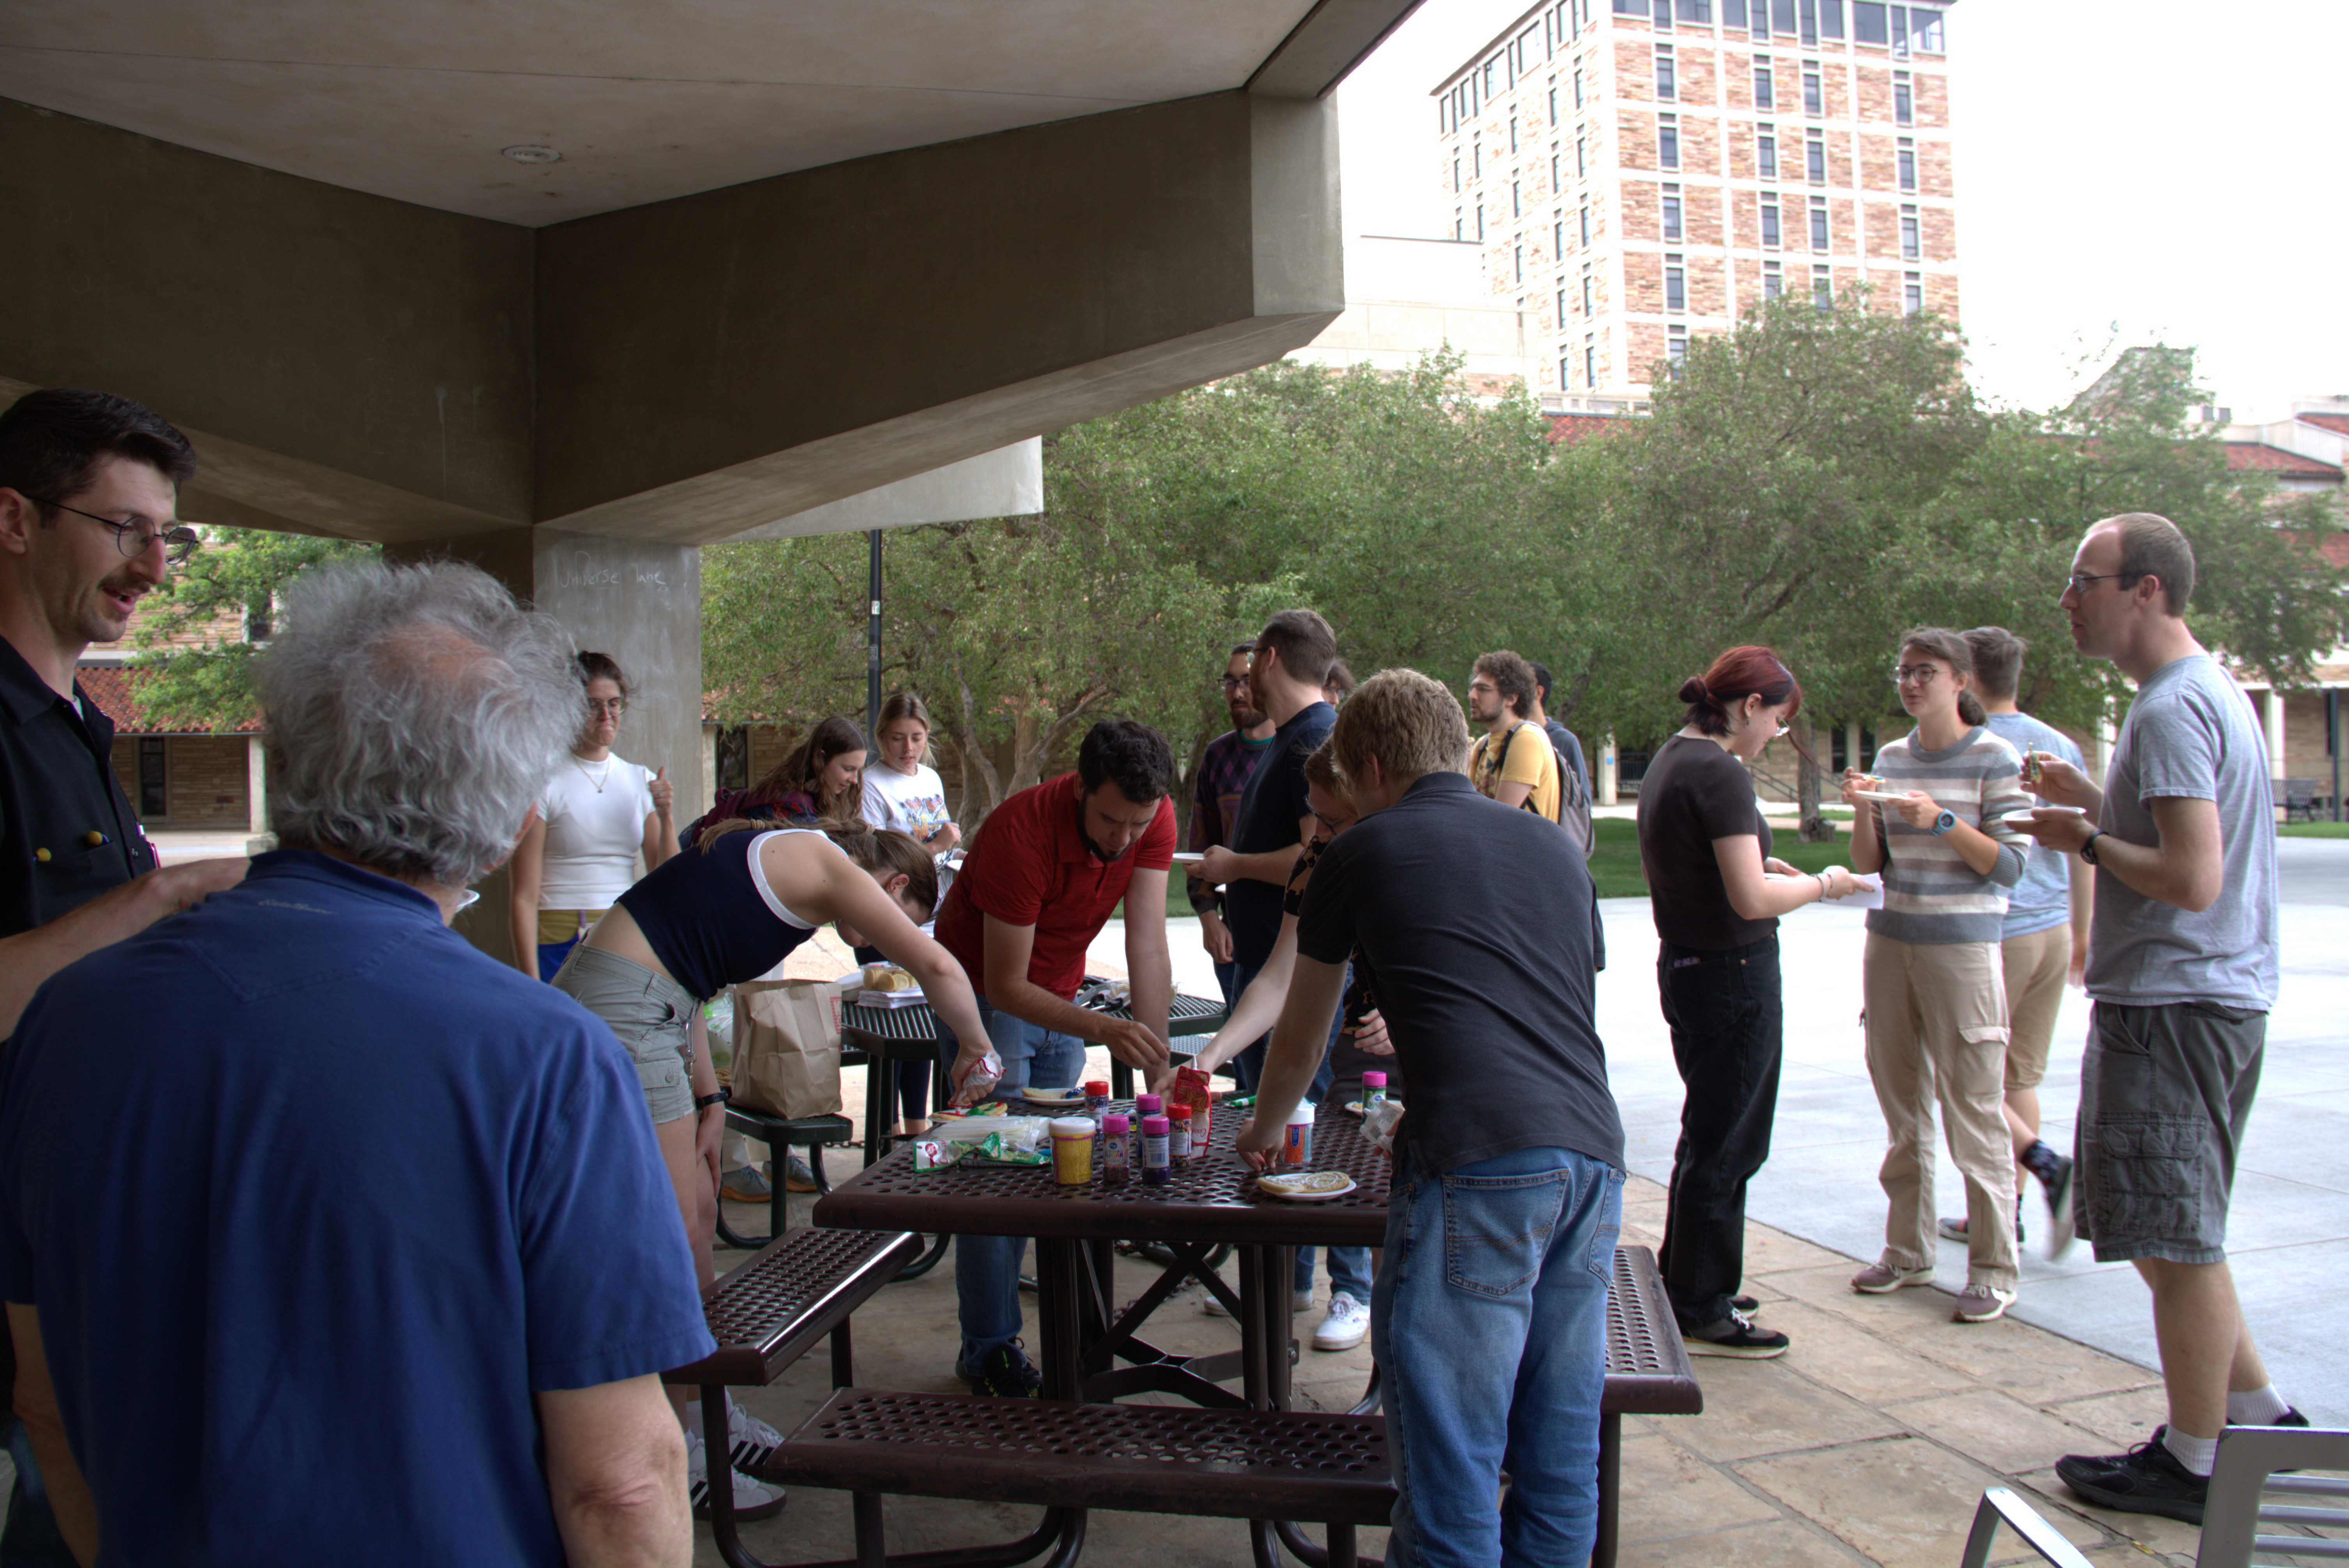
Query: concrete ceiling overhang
[(417, 99), (791, 252)]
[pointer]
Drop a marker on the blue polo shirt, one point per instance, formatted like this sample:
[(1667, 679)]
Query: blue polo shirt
[(313, 1197), (1271, 805)]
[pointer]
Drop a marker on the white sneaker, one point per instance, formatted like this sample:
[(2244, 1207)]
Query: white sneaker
[(1212, 1305), (1345, 1326), (753, 1499), (748, 1439)]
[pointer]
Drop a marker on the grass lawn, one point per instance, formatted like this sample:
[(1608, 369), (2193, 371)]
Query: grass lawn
[(1614, 865), (2314, 830)]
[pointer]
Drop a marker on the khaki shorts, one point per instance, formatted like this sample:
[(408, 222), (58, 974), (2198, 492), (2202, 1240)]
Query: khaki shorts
[(653, 1015), (2037, 965)]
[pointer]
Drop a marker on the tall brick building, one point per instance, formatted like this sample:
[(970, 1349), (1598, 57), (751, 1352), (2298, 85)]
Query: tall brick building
[(1641, 172)]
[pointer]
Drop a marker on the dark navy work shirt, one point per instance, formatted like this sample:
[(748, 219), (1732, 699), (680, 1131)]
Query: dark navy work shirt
[(1473, 921), (57, 789), (339, 1194), (1271, 808)]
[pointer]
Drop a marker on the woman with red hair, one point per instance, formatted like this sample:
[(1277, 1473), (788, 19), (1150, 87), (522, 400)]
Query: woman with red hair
[(1716, 896)]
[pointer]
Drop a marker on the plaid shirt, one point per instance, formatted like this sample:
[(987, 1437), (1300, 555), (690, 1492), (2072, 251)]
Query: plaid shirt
[(1215, 790)]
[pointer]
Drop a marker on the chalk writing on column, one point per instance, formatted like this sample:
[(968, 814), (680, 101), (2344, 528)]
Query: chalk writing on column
[(586, 569)]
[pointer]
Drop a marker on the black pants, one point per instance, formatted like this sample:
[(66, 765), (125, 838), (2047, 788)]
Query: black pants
[(1727, 1017)]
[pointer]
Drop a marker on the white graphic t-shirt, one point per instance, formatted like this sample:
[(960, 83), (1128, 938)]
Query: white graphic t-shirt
[(912, 803)]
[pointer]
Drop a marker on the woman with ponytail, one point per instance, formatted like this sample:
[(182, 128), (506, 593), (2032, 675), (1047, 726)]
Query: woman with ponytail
[(1931, 981), (1716, 896), (727, 911)]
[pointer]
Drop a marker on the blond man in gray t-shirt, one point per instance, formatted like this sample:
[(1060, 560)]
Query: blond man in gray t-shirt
[(2182, 967)]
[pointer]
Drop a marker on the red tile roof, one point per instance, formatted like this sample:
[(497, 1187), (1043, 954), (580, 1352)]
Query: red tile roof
[(2248, 455), (2337, 423), (1568, 428), (116, 692)]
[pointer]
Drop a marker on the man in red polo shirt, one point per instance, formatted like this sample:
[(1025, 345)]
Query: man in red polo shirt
[(1047, 867)]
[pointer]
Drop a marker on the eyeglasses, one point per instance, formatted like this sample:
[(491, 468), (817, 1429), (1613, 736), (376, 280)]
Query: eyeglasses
[(1330, 827), (1481, 689), (1919, 674), (599, 706), (2079, 583), (136, 536), (1233, 683)]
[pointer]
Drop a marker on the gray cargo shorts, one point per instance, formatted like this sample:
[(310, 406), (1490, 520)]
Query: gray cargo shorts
[(2165, 1093), (653, 1015)]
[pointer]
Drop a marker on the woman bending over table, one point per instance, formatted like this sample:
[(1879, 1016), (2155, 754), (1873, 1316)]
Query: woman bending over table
[(595, 817), (726, 911), (1716, 895), (1931, 979)]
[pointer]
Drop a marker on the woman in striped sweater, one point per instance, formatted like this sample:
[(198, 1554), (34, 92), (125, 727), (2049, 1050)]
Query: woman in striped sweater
[(1932, 820)]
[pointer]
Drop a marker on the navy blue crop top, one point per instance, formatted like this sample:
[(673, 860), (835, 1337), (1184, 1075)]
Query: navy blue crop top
[(711, 919)]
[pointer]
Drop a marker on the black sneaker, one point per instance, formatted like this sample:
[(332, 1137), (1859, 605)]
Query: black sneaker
[(1003, 1373), (1744, 1303), (1734, 1335), (2146, 1480), (2057, 1184)]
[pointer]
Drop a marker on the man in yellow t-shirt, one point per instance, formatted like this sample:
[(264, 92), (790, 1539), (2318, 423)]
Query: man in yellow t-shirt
[(1513, 762)]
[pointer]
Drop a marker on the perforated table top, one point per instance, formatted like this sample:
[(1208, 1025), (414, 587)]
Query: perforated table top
[(1211, 1199), (1185, 1016)]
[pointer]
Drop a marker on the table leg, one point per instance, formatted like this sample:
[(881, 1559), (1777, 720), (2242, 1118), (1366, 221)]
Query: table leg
[(1060, 1316), (1610, 1477)]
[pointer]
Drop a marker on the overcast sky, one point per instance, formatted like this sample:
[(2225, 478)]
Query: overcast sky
[(2132, 172)]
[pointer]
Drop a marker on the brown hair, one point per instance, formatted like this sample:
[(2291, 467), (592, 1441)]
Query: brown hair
[(801, 768), (882, 851), (1998, 660), (1305, 642), (1338, 684), (604, 667), (1515, 679), (1954, 651), (1411, 722), (2152, 546)]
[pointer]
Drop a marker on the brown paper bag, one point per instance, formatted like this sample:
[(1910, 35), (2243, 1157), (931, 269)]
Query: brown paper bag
[(787, 1047)]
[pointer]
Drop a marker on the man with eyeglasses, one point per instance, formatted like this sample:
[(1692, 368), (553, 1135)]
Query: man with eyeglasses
[(88, 526), (1220, 782), (2182, 968)]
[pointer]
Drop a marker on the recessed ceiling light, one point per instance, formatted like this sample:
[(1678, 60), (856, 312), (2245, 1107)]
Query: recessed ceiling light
[(527, 153)]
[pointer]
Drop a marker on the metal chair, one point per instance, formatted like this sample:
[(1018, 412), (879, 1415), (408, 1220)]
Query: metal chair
[(2250, 1460)]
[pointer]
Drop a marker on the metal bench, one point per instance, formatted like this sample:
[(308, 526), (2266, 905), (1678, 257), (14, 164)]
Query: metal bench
[(2297, 797), (1267, 1465), (769, 1312)]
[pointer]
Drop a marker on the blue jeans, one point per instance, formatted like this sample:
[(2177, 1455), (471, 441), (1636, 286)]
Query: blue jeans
[(987, 1268), (1349, 1267), (550, 956), (1490, 1320)]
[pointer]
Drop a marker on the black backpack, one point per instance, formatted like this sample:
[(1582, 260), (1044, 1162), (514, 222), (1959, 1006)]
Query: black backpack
[(1573, 800)]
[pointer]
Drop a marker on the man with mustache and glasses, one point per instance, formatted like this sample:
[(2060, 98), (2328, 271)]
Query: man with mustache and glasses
[(88, 525)]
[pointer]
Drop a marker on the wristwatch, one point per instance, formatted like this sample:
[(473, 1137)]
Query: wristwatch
[(1944, 822), (2088, 850)]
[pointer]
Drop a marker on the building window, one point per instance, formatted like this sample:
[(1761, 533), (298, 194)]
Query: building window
[(1459, 225), (1565, 377), (1831, 17), (1586, 225), (1587, 291), (258, 621), (1814, 159), (1665, 86), (1558, 242), (1562, 305), (1512, 133), (1765, 151), (1590, 362), (1662, 11), (154, 777), (1761, 27), (1823, 288), (1667, 141), (1455, 176), (1480, 222), (1926, 30), (1912, 247), (1671, 211), (1904, 99), (1764, 85), (1814, 103), (1901, 26), (1552, 103), (1675, 283), (1477, 160), (1912, 294), (1557, 183), (1577, 86), (1820, 224), (1517, 203), (1774, 282), (1697, 11), (1582, 158), (1675, 350), (1906, 157), (1770, 237), (1521, 263)]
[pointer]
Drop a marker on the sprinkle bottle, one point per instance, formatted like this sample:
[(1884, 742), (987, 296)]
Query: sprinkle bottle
[(1096, 1097), (1155, 1170), (1374, 1088), (1178, 1135), (1117, 1152)]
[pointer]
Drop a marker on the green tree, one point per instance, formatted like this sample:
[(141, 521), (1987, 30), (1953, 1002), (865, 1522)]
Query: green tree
[(197, 644)]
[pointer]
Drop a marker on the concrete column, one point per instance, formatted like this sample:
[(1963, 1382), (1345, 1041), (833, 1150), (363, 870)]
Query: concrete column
[(1609, 770), (256, 786), (1851, 734), (2271, 720), (709, 796), (641, 604)]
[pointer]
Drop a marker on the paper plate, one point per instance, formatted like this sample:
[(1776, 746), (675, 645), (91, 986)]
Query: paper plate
[(1306, 1186), (1354, 1107), (2023, 818), (1051, 1096), (1879, 795)]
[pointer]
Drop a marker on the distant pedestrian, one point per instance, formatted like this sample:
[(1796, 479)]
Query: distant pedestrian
[(1931, 978), (1217, 785), (1716, 894), (2042, 942), (1513, 761), (2183, 968)]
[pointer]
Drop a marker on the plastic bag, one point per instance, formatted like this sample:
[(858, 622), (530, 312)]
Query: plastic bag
[(1379, 1122), (982, 1077)]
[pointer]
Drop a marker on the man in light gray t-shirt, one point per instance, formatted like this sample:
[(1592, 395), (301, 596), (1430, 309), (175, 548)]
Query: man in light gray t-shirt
[(2182, 966)]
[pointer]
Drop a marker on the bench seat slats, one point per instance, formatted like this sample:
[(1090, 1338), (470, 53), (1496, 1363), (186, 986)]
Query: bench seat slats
[(766, 1313), (1648, 1370)]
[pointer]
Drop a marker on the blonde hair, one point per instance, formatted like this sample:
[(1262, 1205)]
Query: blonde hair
[(1321, 771), (882, 851), (1410, 722)]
